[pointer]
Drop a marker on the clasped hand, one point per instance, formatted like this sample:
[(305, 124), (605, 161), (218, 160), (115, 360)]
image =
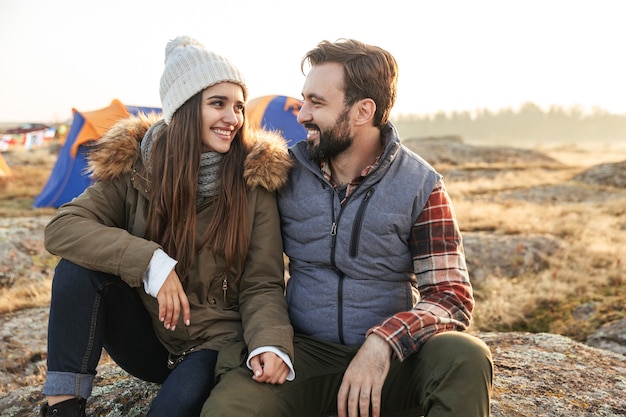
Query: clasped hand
[(269, 368)]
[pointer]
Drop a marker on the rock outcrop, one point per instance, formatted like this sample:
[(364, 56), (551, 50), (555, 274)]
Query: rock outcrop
[(450, 150), (506, 256), (549, 375), (535, 375), (612, 174), (610, 336)]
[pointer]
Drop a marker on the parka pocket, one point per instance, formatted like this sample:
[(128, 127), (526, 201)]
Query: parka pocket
[(177, 337), (223, 294)]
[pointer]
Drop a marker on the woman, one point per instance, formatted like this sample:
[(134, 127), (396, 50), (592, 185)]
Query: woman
[(175, 251)]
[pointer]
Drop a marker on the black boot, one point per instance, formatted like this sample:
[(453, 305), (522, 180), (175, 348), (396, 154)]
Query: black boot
[(74, 407)]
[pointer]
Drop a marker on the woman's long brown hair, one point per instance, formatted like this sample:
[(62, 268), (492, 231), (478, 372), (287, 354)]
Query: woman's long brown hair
[(175, 163)]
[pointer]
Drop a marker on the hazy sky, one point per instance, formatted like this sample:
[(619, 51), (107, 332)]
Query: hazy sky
[(453, 55)]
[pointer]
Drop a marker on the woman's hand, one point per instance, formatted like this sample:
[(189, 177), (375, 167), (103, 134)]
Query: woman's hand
[(172, 299), (269, 368)]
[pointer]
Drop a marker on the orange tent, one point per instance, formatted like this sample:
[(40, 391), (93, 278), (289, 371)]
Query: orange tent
[(5, 171), (69, 176), (97, 122)]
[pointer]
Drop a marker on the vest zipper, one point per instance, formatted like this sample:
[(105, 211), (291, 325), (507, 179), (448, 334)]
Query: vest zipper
[(353, 250), (333, 227), (358, 223), (333, 233), (340, 308)]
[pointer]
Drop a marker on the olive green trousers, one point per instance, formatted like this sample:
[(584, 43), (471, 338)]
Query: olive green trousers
[(451, 375)]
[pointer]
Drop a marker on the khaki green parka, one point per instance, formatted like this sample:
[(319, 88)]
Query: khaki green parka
[(103, 229)]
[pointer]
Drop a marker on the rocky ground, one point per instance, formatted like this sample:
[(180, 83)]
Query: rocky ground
[(536, 374)]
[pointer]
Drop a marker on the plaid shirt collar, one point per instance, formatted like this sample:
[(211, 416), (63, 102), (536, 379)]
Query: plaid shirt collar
[(327, 173)]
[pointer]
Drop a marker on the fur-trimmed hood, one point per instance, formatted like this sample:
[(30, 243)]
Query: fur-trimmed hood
[(267, 165)]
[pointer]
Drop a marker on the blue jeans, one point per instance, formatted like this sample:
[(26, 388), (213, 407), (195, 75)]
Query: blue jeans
[(91, 310), (188, 386)]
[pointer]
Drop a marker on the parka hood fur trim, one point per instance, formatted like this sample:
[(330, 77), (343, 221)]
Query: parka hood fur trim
[(115, 153)]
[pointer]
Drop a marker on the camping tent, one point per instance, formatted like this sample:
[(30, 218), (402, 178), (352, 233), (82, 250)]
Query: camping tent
[(275, 112), (5, 171), (69, 175)]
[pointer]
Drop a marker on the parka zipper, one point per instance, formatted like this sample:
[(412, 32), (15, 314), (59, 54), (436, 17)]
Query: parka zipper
[(224, 287)]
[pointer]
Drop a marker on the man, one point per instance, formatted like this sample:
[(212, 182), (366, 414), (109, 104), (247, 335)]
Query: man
[(379, 292)]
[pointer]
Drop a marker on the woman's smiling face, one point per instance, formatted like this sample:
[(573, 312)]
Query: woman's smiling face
[(222, 115)]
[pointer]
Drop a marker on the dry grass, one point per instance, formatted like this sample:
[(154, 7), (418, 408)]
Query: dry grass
[(588, 270), (24, 296), (30, 171)]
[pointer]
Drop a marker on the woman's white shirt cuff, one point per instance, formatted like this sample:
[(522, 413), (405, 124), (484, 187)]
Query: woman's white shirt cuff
[(159, 268), (280, 353)]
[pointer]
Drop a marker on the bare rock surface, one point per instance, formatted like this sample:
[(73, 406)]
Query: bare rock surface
[(115, 394), (535, 375), (610, 336), (613, 174), (550, 375), (451, 150), (23, 349), (506, 256), (563, 193), (22, 255)]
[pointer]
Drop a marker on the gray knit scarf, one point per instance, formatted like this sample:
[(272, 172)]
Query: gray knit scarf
[(207, 175), (209, 164)]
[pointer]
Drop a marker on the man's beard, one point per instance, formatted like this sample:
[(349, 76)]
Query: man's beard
[(332, 142)]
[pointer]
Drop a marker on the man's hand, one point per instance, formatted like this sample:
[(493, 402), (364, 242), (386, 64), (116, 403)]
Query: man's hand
[(269, 367), (172, 299), (363, 381)]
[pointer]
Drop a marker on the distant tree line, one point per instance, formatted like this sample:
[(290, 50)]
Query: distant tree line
[(528, 123)]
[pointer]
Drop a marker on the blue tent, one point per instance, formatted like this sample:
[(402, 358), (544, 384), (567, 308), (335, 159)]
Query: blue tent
[(276, 112), (69, 176)]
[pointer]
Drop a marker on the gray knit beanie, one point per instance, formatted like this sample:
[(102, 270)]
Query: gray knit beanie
[(190, 68)]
